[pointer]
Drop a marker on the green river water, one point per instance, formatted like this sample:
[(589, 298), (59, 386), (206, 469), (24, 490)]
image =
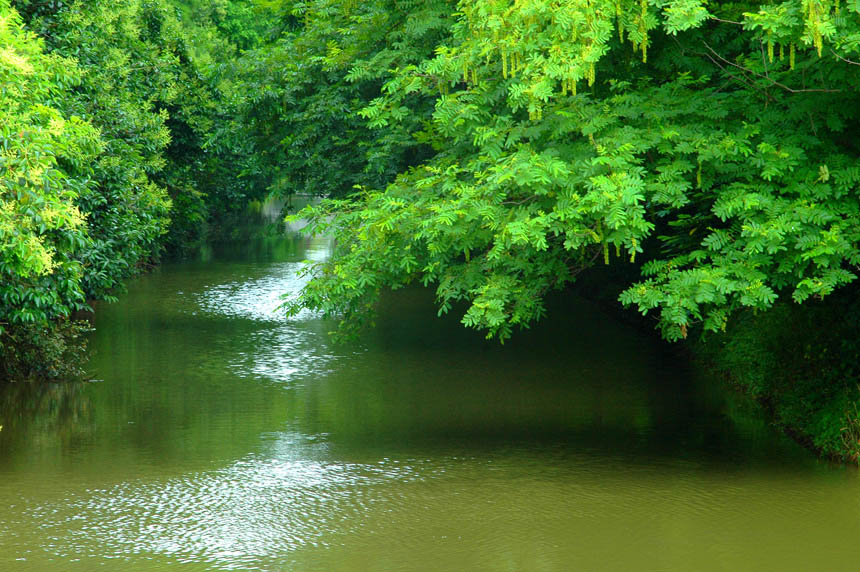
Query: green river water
[(219, 436)]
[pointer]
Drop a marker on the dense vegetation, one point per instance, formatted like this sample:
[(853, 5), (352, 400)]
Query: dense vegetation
[(491, 149), (713, 144), (710, 146), (109, 127)]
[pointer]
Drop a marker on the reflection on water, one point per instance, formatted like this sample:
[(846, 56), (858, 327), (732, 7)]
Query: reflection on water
[(224, 437), (257, 297), (279, 350)]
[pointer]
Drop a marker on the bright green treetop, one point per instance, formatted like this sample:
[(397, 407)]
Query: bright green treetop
[(41, 228)]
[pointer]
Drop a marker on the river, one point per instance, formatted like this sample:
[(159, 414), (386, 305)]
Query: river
[(217, 435)]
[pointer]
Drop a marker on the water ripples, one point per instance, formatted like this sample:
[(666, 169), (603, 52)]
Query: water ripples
[(282, 349), (237, 517), (256, 298), (294, 508), (284, 355)]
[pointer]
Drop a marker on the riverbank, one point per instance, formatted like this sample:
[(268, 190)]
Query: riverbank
[(802, 363), (799, 363)]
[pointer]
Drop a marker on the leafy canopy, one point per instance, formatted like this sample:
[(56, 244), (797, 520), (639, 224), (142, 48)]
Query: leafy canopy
[(710, 143)]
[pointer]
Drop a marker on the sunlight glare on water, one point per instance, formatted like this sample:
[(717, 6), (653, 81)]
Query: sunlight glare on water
[(286, 348)]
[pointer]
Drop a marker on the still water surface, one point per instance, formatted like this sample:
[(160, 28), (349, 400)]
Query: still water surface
[(220, 436)]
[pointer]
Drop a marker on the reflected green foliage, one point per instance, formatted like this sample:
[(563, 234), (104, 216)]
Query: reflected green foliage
[(56, 415)]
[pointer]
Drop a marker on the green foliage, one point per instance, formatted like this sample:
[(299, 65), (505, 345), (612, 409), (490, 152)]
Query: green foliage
[(801, 362), (102, 120), (123, 73), (34, 352), (717, 152), (42, 232), (236, 25), (304, 92)]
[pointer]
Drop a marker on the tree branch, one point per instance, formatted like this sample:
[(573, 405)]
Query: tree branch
[(846, 60), (744, 80), (715, 19), (765, 77)]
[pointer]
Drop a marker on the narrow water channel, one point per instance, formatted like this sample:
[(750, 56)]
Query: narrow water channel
[(219, 436)]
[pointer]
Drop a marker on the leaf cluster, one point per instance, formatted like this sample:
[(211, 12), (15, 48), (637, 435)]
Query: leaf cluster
[(710, 143)]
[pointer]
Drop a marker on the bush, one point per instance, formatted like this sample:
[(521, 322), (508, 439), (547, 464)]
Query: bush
[(803, 364), (35, 352)]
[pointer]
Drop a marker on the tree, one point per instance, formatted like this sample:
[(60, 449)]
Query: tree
[(41, 229), (103, 120), (306, 89), (710, 144)]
